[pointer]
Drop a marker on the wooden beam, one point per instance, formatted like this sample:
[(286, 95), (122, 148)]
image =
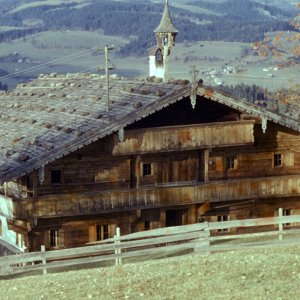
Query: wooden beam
[(138, 171), (206, 158)]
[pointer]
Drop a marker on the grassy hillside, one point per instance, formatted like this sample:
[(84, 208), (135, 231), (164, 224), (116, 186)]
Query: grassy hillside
[(57, 51), (42, 31), (232, 20), (32, 4), (259, 274)]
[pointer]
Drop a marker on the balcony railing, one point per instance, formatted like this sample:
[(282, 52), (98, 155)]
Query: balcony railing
[(176, 183), (96, 202), (187, 137)]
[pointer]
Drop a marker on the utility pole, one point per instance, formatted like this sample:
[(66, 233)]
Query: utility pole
[(106, 69), (194, 72), (106, 76)]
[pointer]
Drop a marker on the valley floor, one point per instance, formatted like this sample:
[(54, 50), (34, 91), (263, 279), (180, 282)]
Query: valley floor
[(252, 274)]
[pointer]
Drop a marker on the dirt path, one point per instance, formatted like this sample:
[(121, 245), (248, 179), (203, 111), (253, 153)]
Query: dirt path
[(257, 274)]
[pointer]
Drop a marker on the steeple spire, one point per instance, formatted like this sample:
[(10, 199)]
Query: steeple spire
[(166, 24)]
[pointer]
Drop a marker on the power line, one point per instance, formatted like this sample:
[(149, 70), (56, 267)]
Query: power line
[(62, 59), (88, 70), (52, 62)]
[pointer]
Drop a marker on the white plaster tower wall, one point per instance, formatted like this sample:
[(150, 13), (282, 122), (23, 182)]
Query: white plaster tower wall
[(155, 69), (7, 235)]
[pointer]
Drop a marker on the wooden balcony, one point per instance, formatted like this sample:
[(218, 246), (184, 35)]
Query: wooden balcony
[(188, 137), (95, 202)]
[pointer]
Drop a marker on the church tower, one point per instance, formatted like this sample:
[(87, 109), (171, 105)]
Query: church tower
[(165, 40)]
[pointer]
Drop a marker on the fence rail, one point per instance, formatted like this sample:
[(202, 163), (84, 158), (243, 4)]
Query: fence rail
[(196, 237), (176, 183)]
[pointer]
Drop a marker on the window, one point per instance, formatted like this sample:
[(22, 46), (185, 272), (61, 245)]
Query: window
[(277, 160), (230, 162), (147, 225), (56, 176), (56, 237), (223, 218), (147, 169), (53, 238), (102, 232)]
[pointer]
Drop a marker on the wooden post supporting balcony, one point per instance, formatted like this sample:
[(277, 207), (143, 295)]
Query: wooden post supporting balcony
[(162, 218), (34, 184), (192, 214), (138, 171), (206, 157)]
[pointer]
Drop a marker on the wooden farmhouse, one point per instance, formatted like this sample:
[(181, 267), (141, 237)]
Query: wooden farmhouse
[(72, 170), (78, 159)]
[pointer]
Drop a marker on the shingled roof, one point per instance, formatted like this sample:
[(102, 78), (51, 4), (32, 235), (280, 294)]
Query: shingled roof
[(55, 115), (166, 24)]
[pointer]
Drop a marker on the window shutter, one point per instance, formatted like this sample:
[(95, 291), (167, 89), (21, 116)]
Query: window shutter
[(47, 238), (92, 233), (289, 159), (61, 237), (219, 164), (112, 230)]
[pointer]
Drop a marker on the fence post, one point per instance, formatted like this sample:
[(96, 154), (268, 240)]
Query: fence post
[(43, 250), (117, 241), (280, 224), (207, 240), (203, 240)]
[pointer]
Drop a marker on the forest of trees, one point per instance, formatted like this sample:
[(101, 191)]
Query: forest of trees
[(243, 10), (283, 101), (249, 92), (236, 23)]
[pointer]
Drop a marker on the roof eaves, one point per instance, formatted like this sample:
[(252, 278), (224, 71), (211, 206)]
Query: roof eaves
[(249, 108)]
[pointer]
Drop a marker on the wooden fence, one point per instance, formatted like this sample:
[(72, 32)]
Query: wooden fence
[(200, 237)]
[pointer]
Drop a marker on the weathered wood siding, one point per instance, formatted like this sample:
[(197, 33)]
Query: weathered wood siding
[(258, 160), (96, 169), (93, 165), (74, 233), (178, 138)]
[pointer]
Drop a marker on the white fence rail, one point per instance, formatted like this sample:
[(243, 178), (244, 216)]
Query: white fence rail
[(196, 237)]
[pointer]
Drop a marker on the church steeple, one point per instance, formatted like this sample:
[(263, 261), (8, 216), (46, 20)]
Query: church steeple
[(165, 39), (166, 31)]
